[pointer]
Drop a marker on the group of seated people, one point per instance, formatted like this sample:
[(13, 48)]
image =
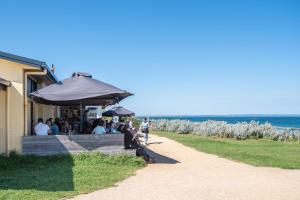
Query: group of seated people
[(56, 127), (62, 126), (101, 126), (71, 126)]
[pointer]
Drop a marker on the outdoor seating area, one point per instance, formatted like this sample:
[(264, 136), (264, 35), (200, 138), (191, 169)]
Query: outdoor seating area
[(61, 116), (78, 128), (64, 136), (72, 126)]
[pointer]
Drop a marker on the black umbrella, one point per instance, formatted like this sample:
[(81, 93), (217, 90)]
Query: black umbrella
[(80, 89), (118, 111)]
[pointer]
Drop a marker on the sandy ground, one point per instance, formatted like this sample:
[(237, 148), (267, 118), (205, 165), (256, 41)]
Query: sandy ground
[(183, 173)]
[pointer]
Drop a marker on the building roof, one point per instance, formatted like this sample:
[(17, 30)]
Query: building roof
[(29, 61), (4, 82)]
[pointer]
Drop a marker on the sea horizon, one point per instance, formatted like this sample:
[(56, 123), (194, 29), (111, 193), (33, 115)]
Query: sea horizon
[(277, 120), (222, 115)]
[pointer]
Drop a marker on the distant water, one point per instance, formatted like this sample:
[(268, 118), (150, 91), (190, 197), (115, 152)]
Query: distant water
[(278, 121)]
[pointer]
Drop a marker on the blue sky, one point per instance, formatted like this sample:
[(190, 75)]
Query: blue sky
[(178, 57)]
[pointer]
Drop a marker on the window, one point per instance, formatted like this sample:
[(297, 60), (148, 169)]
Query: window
[(31, 86)]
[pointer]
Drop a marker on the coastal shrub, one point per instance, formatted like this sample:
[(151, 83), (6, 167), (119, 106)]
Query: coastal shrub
[(239, 131)]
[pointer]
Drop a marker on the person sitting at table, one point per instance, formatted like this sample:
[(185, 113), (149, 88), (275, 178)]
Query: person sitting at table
[(49, 124), (41, 128), (51, 120), (109, 124), (95, 123), (60, 124), (67, 128), (76, 125), (113, 129), (55, 127), (99, 129)]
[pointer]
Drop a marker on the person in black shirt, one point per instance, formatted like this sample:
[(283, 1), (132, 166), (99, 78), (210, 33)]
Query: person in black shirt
[(131, 142)]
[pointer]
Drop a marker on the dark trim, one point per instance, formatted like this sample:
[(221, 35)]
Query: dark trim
[(29, 61)]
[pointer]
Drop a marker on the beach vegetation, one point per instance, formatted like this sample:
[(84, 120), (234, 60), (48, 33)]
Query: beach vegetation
[(222, 129)]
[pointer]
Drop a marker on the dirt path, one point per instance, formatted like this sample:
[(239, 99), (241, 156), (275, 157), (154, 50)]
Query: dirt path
[(184, 173)]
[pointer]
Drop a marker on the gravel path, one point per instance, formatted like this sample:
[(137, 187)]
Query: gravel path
[(184, 173)]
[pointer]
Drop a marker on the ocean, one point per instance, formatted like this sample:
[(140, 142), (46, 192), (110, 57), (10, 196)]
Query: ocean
[(278, 121)]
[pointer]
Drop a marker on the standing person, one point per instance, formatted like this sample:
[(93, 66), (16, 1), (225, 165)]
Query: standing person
[(130, 124), (41, 128), (145, 129)]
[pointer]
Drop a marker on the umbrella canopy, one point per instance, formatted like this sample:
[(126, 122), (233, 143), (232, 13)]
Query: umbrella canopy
[(80, 89), (118, 111)]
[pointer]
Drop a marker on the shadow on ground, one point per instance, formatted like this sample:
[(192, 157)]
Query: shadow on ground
[(161, 159), (154, 143)]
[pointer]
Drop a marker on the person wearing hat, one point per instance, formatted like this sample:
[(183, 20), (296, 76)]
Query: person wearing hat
[(145, 129)]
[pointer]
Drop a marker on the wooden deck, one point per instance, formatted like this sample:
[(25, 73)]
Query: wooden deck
[(110, 144)]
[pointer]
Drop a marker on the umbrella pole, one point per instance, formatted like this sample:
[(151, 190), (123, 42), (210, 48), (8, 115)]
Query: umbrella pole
[(81, 118)]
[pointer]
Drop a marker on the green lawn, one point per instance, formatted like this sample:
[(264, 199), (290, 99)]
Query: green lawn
[(254, 152), (56, 177)]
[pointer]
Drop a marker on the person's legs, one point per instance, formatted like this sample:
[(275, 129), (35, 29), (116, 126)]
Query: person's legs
[(127, 140), (142, 153), (146, 132)]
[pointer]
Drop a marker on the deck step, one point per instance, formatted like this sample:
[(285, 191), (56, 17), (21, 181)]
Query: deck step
[(65, 144)]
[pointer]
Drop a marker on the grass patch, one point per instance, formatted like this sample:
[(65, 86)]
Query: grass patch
[(55, 177), (259, 152)]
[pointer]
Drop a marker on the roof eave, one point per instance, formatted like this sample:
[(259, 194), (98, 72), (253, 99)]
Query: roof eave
[(50, 74), (30, 62)]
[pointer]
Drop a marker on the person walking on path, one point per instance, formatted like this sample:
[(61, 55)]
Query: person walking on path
[(130, 124), (145, 129)]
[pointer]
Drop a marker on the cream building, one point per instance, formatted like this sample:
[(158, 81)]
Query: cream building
[(20, 76)]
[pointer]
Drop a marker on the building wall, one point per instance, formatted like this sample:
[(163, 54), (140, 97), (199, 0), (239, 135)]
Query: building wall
[(29, 120), (39, 111), (16, 128), (3, 120), (43, 111), (13, 72)]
